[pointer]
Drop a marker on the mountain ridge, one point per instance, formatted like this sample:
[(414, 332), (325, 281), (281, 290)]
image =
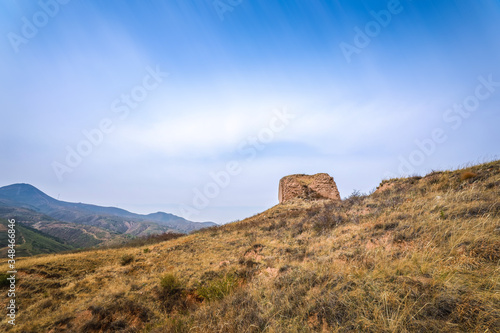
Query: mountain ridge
[(81, 224), (26, 195)]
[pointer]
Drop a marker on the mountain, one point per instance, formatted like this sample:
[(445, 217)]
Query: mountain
[(177, 222), (30, 241), (419, 254), (75, 235), (84, 224)]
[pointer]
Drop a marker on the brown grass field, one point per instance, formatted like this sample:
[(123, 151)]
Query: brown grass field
[(420, 254)]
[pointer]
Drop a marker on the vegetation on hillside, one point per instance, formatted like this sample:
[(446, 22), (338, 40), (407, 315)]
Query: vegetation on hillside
[(84, 225), (420, 254), (30, 242)]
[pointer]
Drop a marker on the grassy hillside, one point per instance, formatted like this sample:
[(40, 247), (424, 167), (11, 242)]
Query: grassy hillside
[(30, 242), (420, 254)]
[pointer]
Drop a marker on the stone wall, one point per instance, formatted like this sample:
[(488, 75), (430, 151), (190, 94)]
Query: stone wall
[(318, 186)]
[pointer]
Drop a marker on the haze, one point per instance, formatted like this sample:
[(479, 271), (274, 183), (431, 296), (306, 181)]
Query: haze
[(198, 108)]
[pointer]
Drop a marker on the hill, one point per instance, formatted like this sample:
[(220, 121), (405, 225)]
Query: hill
[(84, 225), (73, 234), (30, 241), (420, 254)]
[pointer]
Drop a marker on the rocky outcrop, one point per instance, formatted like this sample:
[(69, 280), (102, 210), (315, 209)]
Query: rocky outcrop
[(315, 187)]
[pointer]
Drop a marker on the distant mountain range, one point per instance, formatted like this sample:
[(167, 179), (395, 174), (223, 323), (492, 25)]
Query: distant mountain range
[(83, 225)]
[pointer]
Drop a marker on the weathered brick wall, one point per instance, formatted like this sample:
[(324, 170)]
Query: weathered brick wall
[(318, 186)]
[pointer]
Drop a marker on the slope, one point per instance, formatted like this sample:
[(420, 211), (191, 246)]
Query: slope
[(30, 242), (75, 235), (420, 254)]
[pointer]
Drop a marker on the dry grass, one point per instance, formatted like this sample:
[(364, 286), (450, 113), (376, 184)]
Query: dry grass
[(467, 175), (421, 254)]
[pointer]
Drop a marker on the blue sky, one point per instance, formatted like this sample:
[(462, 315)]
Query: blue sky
[(207, 83)]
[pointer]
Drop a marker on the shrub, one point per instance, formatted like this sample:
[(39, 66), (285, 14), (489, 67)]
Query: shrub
[(170, 284), (485, 249), (3, 280), (170, 292), (386, 226), (326, 222), (126, 259), (355, 198), (218, 288)]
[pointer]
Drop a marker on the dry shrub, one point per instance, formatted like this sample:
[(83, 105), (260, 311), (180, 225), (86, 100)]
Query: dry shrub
[(386, 226), (323, 223), (126, 259), (356, 198), (123, 315), (485, 249), (170, 293), (467, 175), (406, 234)]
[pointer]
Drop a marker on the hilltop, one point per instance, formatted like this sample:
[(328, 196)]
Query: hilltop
[(419, 254)]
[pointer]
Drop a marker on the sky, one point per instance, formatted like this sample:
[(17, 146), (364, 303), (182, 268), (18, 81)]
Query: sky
[(199, 107)]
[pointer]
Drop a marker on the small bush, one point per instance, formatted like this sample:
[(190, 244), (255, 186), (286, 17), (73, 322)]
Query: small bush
[(170, 292), (218, 288), (126, 259), (485, 249), (386, 226), (170, 284), (356, 198), (326, 222), (3, 280), (48, 303), (407, 234)]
